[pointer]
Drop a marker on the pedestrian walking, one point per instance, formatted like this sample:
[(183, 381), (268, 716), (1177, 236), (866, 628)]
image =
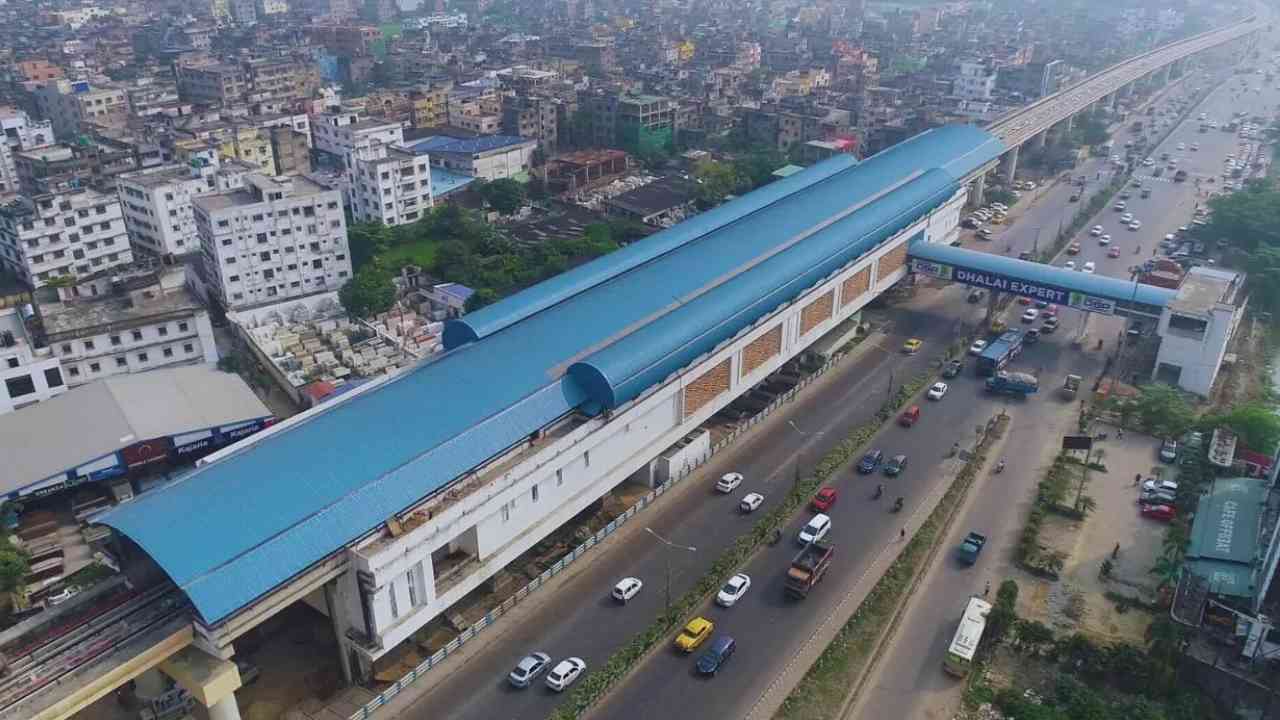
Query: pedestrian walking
[(902, 534), (987, 590), (1137, 478), (1115, 553)]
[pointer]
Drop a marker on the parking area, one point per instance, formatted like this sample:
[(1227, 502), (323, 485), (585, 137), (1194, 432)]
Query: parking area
[(1078, 601)]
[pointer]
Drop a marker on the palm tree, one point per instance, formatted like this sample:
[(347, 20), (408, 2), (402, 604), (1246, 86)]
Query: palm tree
[(1086, 505), (1054, 561), (1166, 570)]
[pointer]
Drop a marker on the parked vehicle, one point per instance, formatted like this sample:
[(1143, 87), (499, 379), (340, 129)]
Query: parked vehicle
[(808, 568), (1180, 176), (971, 548), (1159, 512), (1013, 383), (1169, 450), (937, 391)]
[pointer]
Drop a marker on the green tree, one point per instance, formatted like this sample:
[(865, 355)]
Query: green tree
[(1004, 197), (756, 169), (480, 298), (1094, 132), (367, 241), (716, 181), (14, 566), (1163, 410), (1166, 571), (1249, 219), (504, 195), (369, 292), (1257, 426)]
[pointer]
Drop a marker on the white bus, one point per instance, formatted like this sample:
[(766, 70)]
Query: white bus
[(968, 635)]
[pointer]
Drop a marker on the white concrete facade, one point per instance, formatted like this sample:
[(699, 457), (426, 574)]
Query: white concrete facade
[(20, 133), (388, 185), (28, 374), (340, 134), (977, 81), (279, 237), (64, 234), (157, 203), (522, 496), (94, 337), (1197, 327)]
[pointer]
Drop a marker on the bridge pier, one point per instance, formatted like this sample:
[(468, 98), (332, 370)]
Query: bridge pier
[(1040, 139), (225, 709), (336, 617), (978, 190), (1009, 164)]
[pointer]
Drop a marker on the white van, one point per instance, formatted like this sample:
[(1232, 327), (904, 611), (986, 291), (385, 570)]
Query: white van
[(818, 527)]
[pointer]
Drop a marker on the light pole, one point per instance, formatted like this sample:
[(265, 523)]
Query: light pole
[(671, 546), (800, 452)]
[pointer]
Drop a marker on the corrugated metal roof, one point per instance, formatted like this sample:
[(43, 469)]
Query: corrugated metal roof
[(1225, 535), (286, 501), (1088, 283)]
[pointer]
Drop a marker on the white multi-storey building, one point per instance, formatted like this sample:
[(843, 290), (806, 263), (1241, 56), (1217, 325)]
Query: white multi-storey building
[(277, 238), (20, 133), (65, 234), (126, 320), (340, 134), (977, 81), (1197, 327), (388, 184), (27, 374), (157, 202)]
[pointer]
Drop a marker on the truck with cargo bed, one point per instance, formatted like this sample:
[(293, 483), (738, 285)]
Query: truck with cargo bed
[(808, 568), (1013, 383)]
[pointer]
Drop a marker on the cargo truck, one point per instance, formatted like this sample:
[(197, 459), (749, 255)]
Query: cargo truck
[(1071, 387), (1013, 383), (808, 568)]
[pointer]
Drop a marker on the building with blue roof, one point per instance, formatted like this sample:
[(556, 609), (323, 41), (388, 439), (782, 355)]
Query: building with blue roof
[(541, 403)]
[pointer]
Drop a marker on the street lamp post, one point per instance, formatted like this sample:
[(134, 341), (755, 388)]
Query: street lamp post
[(670, 546), (800, 452)]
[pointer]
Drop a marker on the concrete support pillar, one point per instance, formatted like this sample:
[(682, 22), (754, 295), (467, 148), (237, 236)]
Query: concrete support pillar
[(150, 684), (1040, 139), (978, 190), (336, 617), (225, 709), (1069, 124), (1110, 101), (1009, 165)]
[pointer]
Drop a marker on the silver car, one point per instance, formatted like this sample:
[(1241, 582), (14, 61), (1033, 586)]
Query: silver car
[(528, 669)]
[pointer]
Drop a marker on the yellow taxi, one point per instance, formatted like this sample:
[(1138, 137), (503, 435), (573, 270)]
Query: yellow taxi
[(694, 634), (912, 346), (999, 326)]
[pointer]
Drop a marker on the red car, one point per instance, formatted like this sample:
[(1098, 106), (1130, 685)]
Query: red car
[(1073, 248), (1022, 300), (1051, 311), (1159, 512), (825, 498), (1114, 252)]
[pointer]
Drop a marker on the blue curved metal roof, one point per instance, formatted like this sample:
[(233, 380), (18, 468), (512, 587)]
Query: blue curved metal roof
[(509, 311), (232, 531), (1088, 283)]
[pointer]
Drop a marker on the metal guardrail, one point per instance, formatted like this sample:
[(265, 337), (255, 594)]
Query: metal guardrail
[(1179, 48), (369, 708)]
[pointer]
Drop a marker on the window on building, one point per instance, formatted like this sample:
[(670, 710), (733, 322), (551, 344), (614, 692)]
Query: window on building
[(121, 362), (506, 513), (188, 348), (412, 579), (73, 371), (317, 264), (534, 492), (53, 377), (115, 339), (11, 362), (88, 345), (395, 608), (20, 386), (142, 357), (137, 335), (559, 477), (167, 352), (182, 327), (66, 348), (94, 367), (262, 238), (264, 256)]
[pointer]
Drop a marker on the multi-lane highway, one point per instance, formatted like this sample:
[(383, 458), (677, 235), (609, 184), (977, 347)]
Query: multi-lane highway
[(908, 681)]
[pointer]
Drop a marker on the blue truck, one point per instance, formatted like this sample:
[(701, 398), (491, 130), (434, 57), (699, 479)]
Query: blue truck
[(1000, 352), (1013, 383)]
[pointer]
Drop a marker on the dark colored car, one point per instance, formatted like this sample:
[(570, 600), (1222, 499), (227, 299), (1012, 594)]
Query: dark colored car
[(896, 465), (870, 462), (717, 655)]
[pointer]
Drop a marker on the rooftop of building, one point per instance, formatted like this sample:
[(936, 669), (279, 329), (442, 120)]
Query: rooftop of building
[(1226, 535), (467, 146), (445, 181), (1205, 288), (655, 197), (159, 176), (42, 442), (302, 185), (133, 300), (522, 363)]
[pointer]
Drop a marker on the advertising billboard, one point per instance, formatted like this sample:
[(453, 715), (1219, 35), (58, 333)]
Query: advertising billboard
[(1017, 286)]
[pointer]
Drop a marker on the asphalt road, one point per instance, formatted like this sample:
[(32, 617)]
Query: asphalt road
[(908, 681)]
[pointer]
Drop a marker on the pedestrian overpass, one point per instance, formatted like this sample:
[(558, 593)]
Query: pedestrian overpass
[(1059, 286)]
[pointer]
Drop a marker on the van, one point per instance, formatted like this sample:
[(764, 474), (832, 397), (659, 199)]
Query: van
[(717, 655), (818, 527)]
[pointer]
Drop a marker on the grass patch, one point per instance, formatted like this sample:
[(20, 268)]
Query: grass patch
[(824, 688), (421, 253)]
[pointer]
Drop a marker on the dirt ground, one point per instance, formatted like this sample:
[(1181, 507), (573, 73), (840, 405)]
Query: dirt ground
[(1077, 602)]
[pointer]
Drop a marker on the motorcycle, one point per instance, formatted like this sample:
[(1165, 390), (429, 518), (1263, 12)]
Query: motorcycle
[(1000, 467), (1101, 436), (897, 505), (879, 492)]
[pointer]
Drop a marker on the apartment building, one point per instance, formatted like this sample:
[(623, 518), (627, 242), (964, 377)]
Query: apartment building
[(430, 106), (67, 234), (28, 374), (255, 82), (490, 156), (339, 134), (157, 202), (20, 133), (126, 320), (277, 238), (214, 84), (388, 184), (70, 106), (477, 110), (976, 81), (532, 116)]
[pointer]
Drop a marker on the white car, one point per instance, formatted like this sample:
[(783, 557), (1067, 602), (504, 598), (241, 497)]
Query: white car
[(729, 482), (1104, 239), (564, 673), (626, 589), (58, 598), (1096, 230), (1182, 146), (1069, 265), (1148, 162), (1126, 218), (1030, 315), (818, 527), (1135, 225), (937, 391), (733, 590), (750, 502), (977, 347), (1088, 267)]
